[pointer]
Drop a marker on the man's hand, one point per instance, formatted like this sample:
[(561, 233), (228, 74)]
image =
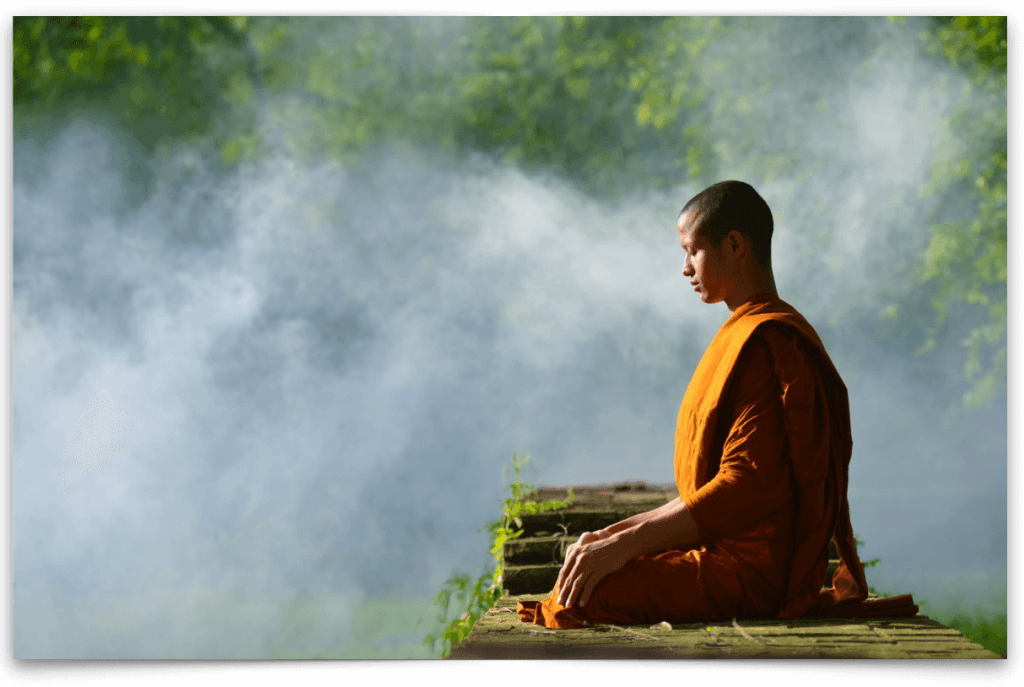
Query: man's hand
[(587, 562)]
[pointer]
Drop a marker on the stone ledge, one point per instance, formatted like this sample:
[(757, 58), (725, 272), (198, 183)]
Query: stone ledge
[(500, 635), (538, 552)]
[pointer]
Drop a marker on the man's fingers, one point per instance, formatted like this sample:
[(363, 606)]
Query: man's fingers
[(574, 581), (565, 580), (572, 556), (584, 569), (574, 592), (570, 561)]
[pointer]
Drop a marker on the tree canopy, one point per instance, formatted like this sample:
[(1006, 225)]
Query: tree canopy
[(612, 103)]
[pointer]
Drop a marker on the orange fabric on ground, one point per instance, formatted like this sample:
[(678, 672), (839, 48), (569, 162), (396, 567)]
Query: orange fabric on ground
[(762, 457)]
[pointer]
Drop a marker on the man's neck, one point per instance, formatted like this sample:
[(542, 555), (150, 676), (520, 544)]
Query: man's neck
[(755, 296), (762, 288)]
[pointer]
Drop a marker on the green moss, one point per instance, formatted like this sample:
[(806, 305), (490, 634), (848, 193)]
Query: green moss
[(987, 630)]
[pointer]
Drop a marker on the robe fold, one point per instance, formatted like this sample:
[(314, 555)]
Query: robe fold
[(762, 454)]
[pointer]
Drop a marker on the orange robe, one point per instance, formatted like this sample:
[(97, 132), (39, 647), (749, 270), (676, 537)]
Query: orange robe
[(762, 459)]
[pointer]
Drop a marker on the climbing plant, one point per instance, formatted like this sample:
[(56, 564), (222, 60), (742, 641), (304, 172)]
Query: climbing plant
[(478, 596)]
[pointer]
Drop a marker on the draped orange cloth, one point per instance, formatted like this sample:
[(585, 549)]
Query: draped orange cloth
[(762, 458)]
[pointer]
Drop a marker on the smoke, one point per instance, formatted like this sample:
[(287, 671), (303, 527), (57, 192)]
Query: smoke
[(326, 365)]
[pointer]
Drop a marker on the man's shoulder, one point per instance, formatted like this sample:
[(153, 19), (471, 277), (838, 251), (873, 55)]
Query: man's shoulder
[(779, 323), (778, 311), (792, 345), (773, 331), (765, 346)]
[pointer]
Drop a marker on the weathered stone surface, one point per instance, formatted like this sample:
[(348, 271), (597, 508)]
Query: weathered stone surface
[(532, 562), (500, 634)]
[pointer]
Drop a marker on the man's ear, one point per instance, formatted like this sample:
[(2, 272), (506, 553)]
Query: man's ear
[(737, 244)]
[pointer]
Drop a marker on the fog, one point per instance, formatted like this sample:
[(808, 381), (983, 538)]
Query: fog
[(251, 403)]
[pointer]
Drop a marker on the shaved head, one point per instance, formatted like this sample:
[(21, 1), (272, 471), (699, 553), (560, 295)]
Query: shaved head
[(733, 205)]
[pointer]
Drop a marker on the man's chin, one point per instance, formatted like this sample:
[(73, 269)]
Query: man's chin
[(709, 299)]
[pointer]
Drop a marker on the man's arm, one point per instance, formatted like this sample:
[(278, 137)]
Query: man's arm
[(753, 476), (629, 523), (592, 559), (670, 525), (751, 483)]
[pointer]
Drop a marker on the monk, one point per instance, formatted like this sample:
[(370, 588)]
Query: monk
[(762, 454)]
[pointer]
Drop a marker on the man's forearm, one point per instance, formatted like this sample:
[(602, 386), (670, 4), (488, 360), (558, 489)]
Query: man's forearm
[(670, 525), (637, 519)]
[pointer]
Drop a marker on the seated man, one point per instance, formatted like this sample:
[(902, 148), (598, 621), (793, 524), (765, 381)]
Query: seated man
[(762, 455)]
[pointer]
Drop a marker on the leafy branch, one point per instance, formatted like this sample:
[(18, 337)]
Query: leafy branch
[(477, 597)]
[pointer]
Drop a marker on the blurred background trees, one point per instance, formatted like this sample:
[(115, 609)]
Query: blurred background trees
[(163, 78), (613, 104), (965, 262)]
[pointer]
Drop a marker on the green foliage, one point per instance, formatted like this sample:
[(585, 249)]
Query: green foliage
[(551, 93), (560, 93), (476, 599), (479, 596), (161, 77), (984, 621), (965, 261), (977, 44), (868, 564), (362, 82), (518, 504), (984, 627), (674, 93), (989, 631), (727, 111), (612, 103)]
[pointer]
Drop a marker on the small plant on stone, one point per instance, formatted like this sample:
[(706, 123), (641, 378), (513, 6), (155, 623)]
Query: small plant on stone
[(477, 597)]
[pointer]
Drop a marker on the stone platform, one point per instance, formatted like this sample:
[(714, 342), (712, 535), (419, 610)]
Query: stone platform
[(532, 562), (500, 635)]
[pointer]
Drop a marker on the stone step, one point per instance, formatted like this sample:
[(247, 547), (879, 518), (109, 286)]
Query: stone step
[(594, 507), (626, 492), (576, 521), (532, 560), (536, 550), (537, 579), (540, 550)]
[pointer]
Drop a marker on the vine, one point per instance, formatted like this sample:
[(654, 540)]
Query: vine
[(477, 597)]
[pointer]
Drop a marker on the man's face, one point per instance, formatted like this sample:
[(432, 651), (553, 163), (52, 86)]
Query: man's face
[(709, 270)]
